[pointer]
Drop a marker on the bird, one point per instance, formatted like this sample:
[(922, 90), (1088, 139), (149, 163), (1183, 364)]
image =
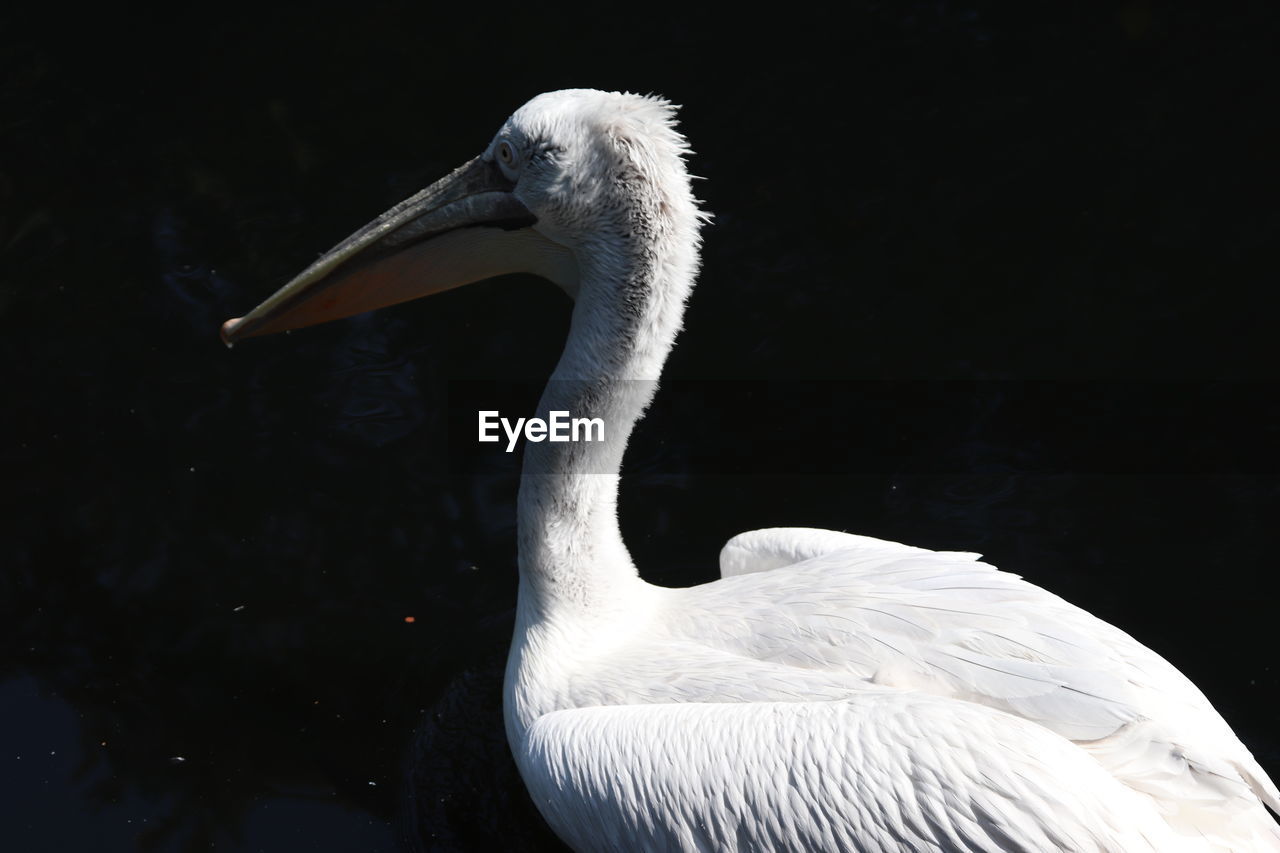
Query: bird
[(829, 690)]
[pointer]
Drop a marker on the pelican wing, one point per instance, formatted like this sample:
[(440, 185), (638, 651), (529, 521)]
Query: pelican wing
[(883, 770), (950, 626), (775, 547)]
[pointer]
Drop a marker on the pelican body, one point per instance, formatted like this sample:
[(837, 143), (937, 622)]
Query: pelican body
[(829, 691)]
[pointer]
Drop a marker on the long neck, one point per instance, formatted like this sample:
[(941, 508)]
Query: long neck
[(624, 323)]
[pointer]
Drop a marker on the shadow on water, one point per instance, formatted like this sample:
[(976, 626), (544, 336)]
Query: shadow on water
[(957, 294)]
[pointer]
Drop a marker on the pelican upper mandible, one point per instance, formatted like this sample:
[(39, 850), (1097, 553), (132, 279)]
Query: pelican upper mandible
[(829, 691)]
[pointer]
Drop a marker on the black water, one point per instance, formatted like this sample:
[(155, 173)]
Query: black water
[(979, 279)]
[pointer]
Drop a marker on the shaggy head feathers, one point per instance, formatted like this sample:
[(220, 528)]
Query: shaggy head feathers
[(595, 165)]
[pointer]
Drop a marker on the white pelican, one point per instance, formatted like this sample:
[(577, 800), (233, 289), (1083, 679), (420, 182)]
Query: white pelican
[(829, 691)]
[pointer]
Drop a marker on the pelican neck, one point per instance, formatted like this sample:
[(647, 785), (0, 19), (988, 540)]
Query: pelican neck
[(625, 319)]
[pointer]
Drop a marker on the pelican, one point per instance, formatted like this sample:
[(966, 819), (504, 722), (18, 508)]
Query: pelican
[(829, 691)]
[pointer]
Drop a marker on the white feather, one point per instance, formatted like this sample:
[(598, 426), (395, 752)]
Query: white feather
[(829, 775)]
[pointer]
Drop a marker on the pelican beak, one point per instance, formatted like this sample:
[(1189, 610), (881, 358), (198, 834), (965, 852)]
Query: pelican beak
[(464, 228)]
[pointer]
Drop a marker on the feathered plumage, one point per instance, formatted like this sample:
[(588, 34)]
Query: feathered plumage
[(829, 691)]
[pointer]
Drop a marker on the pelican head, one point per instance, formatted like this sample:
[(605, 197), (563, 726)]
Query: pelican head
[(576, 187)]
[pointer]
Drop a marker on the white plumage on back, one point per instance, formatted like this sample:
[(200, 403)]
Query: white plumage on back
[(857, 690), (829, 775)]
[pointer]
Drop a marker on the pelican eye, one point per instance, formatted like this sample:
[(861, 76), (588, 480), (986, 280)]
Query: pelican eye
[(506, 154)]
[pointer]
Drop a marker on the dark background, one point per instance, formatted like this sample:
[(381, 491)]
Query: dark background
[(980, 278)]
